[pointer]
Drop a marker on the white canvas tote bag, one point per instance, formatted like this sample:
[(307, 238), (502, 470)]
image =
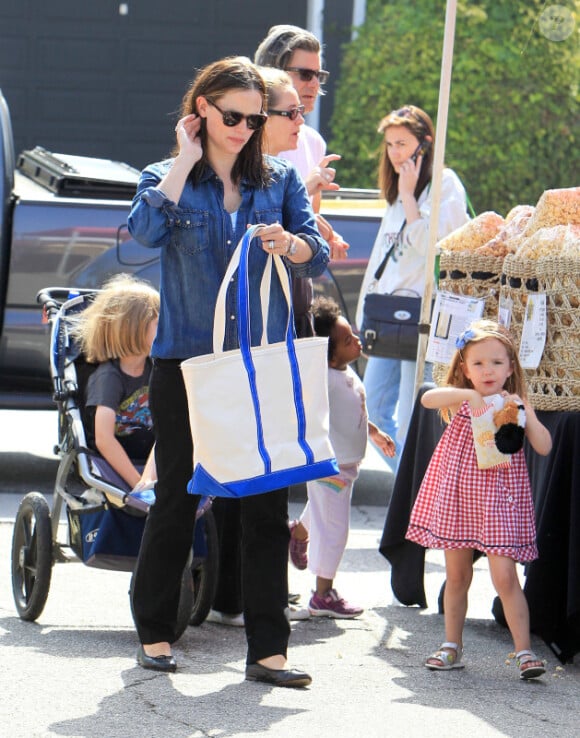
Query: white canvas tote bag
[(258, 414)]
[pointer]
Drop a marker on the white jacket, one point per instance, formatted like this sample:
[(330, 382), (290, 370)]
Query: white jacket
[(406, 266)]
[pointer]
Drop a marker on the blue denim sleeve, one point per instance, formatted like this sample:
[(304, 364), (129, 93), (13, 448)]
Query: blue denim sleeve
[(299, 219), (152, 213)]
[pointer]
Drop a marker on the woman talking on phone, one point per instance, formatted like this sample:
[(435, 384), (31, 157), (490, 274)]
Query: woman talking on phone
[(405, 171)]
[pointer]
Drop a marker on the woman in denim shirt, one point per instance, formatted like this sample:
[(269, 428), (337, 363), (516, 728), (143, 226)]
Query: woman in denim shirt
[(195, 207)]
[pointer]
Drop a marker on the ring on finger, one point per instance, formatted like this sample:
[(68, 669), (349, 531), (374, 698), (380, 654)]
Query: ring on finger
[(271, 245)]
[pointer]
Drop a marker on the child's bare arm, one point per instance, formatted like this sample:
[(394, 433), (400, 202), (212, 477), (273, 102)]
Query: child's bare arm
[(382, 440), (451, 397), (110, 448)]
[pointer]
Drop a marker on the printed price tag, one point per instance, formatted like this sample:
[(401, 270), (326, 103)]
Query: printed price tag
[(452, 314), (533, 331), (505, 308)]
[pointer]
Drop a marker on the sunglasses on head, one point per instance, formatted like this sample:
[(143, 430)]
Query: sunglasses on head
[(406, 112), (232, 118), (292, 114), (307, 74)]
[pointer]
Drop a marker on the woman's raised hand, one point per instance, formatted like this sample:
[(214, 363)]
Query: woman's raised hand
[(409, 175), (187, 131), (190, 152), (322, 176)]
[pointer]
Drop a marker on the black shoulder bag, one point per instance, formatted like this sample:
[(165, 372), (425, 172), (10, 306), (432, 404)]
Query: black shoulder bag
[(390, 326)]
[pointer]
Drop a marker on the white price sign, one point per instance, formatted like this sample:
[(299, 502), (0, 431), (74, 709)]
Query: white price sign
[(452, 314), (533, 331)]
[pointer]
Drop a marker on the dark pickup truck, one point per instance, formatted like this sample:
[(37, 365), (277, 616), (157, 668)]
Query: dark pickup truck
[(63, 223)]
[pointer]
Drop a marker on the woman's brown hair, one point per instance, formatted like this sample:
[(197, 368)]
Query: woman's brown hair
[(277, 82)]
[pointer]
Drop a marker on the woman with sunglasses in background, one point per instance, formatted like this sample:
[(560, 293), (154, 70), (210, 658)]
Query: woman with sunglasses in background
[(283, 128), (298, 52), (405, 171), (195, 207)]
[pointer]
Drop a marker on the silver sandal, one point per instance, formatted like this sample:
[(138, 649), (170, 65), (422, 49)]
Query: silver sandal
[(447, 660), (536, 668)]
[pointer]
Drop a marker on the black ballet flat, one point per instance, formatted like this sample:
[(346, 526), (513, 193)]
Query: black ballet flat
[(277, 677), (156, 663)]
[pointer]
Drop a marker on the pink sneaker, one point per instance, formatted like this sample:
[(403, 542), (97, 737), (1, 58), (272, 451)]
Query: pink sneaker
[(298, 549), (332, 606)]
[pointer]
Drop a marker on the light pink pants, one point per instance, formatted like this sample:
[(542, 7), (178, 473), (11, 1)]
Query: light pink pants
[(326, 516)]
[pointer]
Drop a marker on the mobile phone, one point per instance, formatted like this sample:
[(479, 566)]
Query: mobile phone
[(421, 150)]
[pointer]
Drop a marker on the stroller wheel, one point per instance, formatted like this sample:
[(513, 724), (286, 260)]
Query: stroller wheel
[(31, 556), (204, 567), (199, 577), (186, 597)]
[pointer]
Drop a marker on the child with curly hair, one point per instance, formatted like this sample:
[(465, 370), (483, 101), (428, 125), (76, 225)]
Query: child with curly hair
[(322, 530)]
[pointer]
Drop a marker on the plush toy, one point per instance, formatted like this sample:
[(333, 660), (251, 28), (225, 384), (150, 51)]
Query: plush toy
[(498, 431), (510, 422)]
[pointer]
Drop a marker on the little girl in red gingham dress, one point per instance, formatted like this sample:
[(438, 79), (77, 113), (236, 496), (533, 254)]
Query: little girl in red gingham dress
[(461, 507)]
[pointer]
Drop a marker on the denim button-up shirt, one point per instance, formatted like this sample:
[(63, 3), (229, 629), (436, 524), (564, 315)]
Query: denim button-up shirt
[(197, 240)]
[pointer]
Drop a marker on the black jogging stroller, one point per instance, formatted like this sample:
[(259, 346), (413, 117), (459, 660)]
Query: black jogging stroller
[(105, 519)]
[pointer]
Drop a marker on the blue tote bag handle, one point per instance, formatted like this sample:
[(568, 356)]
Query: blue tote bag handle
[(246, 349)]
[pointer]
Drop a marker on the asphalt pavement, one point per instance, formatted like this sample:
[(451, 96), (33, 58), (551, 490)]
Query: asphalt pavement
[(73, 672)]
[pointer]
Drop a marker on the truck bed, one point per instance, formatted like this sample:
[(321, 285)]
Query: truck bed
[(79, 176)]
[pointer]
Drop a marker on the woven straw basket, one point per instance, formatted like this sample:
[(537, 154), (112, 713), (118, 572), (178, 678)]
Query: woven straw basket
[(555, 384), (466, 273)]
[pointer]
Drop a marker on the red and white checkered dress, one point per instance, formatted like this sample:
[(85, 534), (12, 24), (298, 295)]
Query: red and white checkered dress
[(462, 506)]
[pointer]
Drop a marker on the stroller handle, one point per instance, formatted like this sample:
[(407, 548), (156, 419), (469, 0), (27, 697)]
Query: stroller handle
[(52, 298), (55, 300)]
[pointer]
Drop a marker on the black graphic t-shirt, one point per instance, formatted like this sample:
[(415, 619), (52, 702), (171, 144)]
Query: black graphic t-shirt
[(128, 396)]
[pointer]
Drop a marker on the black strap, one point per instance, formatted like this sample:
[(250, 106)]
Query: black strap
[(383, 264)]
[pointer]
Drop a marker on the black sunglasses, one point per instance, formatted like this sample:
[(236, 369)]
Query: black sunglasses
[(307, 74), (291, 114), (232, 118)]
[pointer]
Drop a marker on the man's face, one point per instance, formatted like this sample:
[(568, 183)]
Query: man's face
[(307, 91)]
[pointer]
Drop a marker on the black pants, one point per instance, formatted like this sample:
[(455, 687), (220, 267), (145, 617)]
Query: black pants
[(302, 296), (227, 513), (168, 534), (228, 596)]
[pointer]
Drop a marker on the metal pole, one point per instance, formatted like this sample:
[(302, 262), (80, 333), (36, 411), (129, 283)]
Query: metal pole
[(438, 161), (359, 8), (315, 24)]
